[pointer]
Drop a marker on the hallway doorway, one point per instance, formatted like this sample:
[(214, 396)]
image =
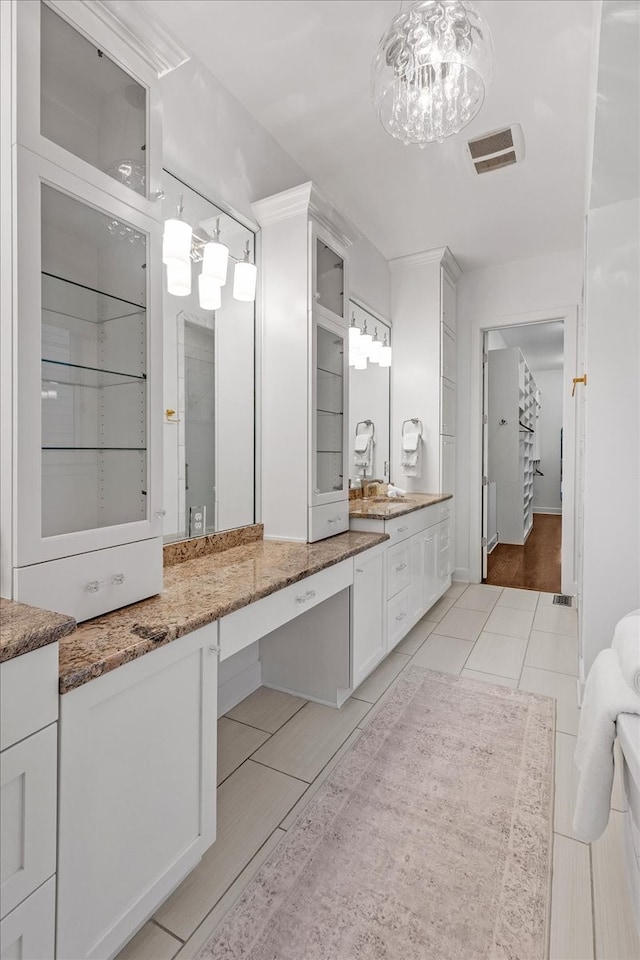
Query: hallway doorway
[(534, 566)]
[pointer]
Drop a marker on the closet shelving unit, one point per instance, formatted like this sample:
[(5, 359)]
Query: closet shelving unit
[(513, 409)]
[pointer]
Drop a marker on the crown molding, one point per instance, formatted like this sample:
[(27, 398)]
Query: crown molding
[(438, 255), (141, 32), (309, 200)]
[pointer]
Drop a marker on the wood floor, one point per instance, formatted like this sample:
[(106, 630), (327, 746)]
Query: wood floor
[(536, 565)]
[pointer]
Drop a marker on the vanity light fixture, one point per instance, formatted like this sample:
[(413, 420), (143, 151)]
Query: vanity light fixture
[(209, 292), (375, 348), (365, 340), (244, 278), (360, 362), (385, 354), (354, 332), (179, 278), (215, 258), (176, 240)]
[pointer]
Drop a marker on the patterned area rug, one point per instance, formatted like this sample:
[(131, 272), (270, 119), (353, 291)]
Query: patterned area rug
[(430, 840)]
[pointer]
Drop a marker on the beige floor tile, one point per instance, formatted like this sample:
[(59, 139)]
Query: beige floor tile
[(495, 654), (236, 742), (251, 804), (509, 622), (456, 590), (556, 620), (566, 785), (618, 795), (308, 741), (553, 651), (293, 814), (197, 940), (376, 683), (545, 599), (447, 654), (571, 913), (373, 712), (439, 609), (616, 934), (267, 709), (480, 597), (518, 599), (558, 685), (416, 637), (462, 624), (150, 943), (489, 678)]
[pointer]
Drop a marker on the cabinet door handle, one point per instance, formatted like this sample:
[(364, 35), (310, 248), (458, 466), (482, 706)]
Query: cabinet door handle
[(401, 566), (402, 529), (117, 579), (215, 649), (401, 616), (359, 570), (93, 586), (310, 594), (334, 519), (160, 514), (301, 598)]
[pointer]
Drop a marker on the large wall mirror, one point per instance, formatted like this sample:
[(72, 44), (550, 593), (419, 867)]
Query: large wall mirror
[(369, 398), (209, 384)]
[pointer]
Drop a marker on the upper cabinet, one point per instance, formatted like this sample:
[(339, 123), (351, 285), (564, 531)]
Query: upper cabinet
[(87, 102), (86, 318), (305, 297)]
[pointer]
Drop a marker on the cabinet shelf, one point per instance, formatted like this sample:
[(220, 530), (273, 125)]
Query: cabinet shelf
[(98, 449), (332, 413), (331, 373), (79, 375), (73, 300)]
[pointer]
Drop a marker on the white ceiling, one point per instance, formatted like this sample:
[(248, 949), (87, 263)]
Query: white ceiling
[(302, 68), (542, 344)]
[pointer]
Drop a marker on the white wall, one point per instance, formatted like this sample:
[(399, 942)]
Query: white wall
[(546, 489), (509, 290)]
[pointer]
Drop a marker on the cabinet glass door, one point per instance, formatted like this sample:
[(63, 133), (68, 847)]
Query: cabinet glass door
[(89, 105), (330, 278), (94, 367), (330, 403)]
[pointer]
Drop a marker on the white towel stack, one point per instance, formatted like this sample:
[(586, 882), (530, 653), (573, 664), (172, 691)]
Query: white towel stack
[(411, 453), (612, 688), (363, 454)]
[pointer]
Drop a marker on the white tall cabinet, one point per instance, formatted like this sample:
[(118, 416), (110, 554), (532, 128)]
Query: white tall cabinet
[(85, 317), (305, 300)]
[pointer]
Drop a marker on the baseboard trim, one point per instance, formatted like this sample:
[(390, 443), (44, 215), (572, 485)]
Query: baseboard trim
[(463, 574), (554, 511)]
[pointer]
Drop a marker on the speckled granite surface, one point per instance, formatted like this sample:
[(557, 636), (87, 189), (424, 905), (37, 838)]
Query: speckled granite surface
[(197, 592), (183, 550), (388, 509), (24, 628)]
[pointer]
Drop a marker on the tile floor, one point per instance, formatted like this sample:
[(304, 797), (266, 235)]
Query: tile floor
[(274, 751)]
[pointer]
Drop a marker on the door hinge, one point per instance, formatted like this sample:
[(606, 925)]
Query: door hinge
[(485, 481), (485, 357), (484, 541), (485, 418)]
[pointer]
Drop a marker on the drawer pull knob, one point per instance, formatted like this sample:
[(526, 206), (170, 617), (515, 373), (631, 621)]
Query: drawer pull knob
[(118, 578), (93, 586), (334, 519), (401, 566), (402, 529), (160, 514), (301, 598), (215, 649), (359, 570), (310, 594), (401, 616)]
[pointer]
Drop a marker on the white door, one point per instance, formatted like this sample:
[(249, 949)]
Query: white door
[(485, 453)]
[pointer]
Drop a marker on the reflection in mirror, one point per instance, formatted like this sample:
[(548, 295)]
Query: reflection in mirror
[(209, 397), (369, 393)]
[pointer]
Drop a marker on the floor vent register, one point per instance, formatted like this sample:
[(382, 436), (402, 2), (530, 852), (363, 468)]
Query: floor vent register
[(562, 600)]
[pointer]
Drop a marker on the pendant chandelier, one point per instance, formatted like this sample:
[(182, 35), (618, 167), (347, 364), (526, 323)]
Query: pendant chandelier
[(431, 70)]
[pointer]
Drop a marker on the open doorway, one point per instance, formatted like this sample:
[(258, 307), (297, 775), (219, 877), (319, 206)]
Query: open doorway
[(522, 489)]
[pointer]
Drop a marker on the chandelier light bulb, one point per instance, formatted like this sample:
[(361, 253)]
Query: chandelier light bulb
[(244, 278), (209, 293), (179, 278), (431, 70)]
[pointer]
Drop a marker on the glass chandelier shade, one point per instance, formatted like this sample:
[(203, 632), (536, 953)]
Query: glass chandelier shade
[(209, 293), (431, 70), (176, 242), (215, 261), (179, 278)]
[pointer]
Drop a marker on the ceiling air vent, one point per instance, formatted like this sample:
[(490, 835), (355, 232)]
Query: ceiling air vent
[(500, 148)]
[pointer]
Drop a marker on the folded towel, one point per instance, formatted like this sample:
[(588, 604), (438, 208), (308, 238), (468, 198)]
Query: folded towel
[(395, 491), (410, 441), (626, 643), (606, 695), (361, 442)]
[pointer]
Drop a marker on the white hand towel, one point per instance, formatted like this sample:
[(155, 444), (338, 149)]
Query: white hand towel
[(361, 442), (606, 695), (410, 441), (626, 643)]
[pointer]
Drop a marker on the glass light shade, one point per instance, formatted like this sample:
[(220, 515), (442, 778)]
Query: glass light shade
[(176, 242), (360, 361), (375, 350), (179, 278), (365, 342), (209, 293), (385, 357), (244, 281), (431, 70), (215, 261)]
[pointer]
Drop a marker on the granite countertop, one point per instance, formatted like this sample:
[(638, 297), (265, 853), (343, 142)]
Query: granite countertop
[(365, 509), (24, 628), (197, 592)]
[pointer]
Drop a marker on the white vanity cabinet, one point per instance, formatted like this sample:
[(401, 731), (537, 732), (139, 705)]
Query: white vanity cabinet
[(305, 296), (368, 613), (28, 782), (137, 791), (87, 389)]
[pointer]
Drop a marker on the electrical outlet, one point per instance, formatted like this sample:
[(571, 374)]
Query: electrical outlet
[(197, 521)]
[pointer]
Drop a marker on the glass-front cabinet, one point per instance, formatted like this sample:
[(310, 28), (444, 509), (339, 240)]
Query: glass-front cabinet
[(330, 405), (330, 277)]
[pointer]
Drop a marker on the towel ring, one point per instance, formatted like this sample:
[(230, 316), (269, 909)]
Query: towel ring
[(367, 423), (414, 420)]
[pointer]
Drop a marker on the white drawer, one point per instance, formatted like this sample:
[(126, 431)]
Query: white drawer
[(91, 584), (328, 519), (28, 784), (398, 568), (404, 527), (28, 694), (398, 617), (250, 623), (30, 930)]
